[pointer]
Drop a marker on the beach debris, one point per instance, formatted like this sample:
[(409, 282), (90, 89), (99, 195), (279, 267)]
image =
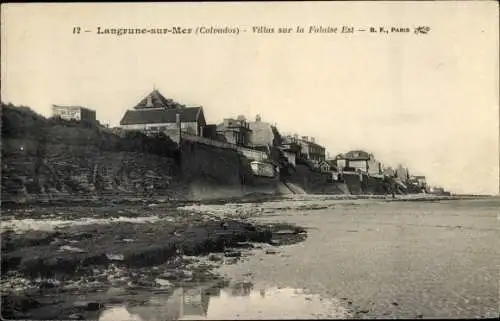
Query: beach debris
[(271, 251), (47, 283), (232, 254), (215, 257), (231, 260), (88, 306), (274, 242), (163, 282), (75, 316), (115, 257), (284, 232), (187, 274), (115, 291), (67, 248)]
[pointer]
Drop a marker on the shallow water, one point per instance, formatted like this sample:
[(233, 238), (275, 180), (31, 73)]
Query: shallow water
[(242, 302)]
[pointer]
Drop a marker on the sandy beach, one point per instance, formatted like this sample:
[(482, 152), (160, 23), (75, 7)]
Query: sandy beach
[(303, 256)]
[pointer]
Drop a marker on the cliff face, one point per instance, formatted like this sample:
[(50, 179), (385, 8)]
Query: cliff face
[(212, 165), (63, 171), (210, 172), (375, 186), (54, 159), (354, 184), (315, 182)]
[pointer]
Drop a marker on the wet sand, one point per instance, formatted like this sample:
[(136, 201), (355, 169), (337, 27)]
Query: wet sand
[(390, 259)]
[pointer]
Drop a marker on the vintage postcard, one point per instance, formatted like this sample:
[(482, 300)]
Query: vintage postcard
[(249, 160)]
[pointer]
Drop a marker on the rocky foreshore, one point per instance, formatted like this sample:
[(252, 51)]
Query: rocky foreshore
[(52, 255)]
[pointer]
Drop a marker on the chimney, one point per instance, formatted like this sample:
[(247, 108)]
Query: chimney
[(149, 102), (312, 139)]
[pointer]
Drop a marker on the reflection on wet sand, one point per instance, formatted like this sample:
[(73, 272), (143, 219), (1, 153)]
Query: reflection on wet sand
[(242, 289), (240, 301)]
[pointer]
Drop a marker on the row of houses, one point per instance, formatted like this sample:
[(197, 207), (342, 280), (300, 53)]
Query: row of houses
[(363, 162), (155, 113)]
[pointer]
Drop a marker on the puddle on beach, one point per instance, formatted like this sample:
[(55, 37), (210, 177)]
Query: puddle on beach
[(240, 302)]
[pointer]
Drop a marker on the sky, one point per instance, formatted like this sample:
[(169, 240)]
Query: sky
[(430, 102)]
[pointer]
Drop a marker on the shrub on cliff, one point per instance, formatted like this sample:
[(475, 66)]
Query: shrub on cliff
[(132, 141), (305, 162), (158, 144), (21, 122)]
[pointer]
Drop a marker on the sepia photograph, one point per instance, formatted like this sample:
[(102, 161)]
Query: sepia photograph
[(250, 160)]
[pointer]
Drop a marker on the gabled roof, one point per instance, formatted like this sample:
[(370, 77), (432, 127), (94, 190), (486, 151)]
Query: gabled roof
[(158, 116), (156, 100), (357, 155)]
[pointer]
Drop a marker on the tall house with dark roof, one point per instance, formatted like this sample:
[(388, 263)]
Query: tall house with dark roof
[(235, 131), (402, 173), (311, 150), (359, 160), (155, 114), (264, 135)]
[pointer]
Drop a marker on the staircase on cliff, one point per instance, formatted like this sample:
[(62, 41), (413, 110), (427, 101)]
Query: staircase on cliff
[(295, 189)]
